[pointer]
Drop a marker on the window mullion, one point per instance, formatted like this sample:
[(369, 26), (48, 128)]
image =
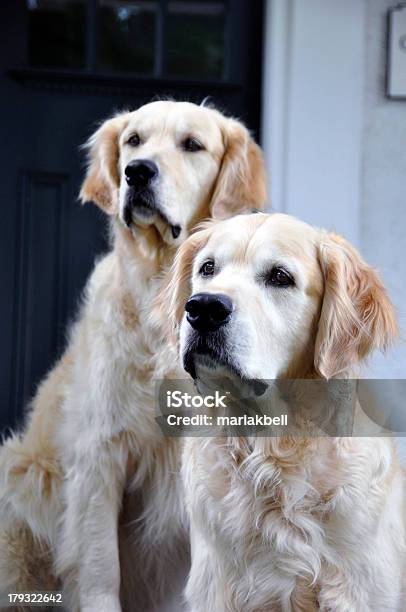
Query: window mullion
[(159, 67), (91, 35)]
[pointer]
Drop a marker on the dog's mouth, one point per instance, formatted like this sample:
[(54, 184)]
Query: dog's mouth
[(210, 353), (209, 348), (141, 209)]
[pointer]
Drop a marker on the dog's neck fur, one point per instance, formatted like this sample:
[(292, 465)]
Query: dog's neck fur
[(142, 256)]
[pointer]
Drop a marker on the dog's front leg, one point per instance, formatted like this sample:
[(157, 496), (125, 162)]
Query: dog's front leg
[(88, 556), (206, 588)]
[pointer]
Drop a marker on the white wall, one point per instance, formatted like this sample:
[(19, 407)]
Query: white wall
[(312, 109), (383, 205), (335, 145)]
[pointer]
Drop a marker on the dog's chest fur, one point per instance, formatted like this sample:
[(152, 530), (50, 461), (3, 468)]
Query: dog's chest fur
[(115, 343), (117, 356), (298, 511)]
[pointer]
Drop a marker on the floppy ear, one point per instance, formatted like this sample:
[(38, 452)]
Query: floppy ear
[(170, 303), (241, 183), (102, 179), (357, 315)]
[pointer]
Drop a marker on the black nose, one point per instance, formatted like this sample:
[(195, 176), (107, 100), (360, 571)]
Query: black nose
[(208, 311), (140, 172)]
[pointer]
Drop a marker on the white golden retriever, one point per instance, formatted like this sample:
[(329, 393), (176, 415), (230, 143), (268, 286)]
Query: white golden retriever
[(91, 440), (286, 523)]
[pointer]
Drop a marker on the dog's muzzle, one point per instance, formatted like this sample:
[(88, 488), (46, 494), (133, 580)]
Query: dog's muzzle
[(140, 198), (140, 175), (209, 341), (207, 315)]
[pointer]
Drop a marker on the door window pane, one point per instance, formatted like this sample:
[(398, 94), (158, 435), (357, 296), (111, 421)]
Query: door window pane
[(56, 33), (176, 38), (127, 35), (195, 39)]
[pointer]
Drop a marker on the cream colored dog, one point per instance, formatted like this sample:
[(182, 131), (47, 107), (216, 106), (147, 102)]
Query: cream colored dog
[(285, 523), (91, 439)]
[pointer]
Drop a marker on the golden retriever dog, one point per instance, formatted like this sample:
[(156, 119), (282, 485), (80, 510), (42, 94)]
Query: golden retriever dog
[(284, 523), (91, 440)]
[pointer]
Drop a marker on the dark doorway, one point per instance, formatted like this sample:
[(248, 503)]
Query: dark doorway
[(65, 66)]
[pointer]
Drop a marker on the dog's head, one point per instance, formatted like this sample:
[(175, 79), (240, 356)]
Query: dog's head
[(267, 296), (170, 164)]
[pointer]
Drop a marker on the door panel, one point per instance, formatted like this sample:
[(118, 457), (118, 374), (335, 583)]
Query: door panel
[(40, 267)]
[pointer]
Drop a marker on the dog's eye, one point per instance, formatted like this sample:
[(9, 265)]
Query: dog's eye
[(279, 277), (191, 145), (207, 268), (134, 140)]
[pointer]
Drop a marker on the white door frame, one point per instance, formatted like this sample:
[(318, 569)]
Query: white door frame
[(313, 89)]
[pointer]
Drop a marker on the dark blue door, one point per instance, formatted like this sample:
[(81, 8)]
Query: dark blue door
[(65, 66)]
